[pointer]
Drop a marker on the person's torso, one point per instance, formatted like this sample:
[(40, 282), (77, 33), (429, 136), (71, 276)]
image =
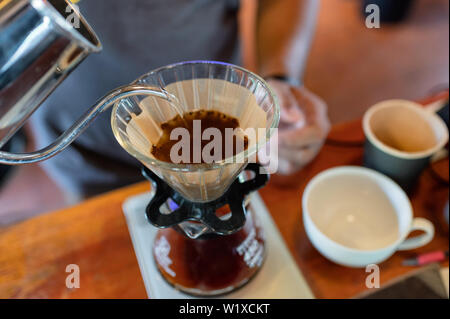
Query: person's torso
[(159, 32)]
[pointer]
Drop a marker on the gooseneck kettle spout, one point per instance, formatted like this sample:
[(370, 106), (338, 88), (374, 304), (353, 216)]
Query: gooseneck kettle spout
[(80, 125)]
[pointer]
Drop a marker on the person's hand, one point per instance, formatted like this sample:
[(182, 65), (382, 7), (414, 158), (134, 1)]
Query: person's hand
[(304, 125)]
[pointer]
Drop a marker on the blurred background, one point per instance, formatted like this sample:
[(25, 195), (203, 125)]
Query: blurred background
[(350, 66)]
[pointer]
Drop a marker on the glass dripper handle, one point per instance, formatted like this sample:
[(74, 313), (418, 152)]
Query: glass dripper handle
[(80, 125)]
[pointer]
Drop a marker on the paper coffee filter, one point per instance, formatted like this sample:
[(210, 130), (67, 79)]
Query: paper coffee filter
[(200, 94), (197, 183)]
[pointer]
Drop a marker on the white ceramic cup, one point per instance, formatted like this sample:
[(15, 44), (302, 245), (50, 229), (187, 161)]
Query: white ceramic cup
[(355, 216)]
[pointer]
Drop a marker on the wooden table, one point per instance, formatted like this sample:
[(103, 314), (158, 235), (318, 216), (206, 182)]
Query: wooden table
[(94, 235)]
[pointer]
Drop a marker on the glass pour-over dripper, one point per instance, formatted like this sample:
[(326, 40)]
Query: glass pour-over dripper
[(197, 85)]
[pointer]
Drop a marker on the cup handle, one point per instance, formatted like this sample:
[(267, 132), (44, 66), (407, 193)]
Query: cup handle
[(439, 155), (418, 241), (435, 107)]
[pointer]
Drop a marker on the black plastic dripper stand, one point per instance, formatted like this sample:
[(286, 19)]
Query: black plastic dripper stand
[(182, 210)]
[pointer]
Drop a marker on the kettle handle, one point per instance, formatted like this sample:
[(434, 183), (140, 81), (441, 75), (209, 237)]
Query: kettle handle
[(80, 125)]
